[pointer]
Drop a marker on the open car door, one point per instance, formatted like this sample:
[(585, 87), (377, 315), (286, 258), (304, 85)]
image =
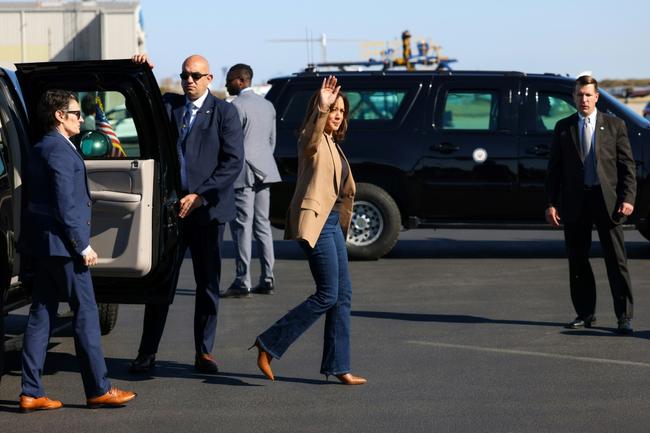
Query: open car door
[(134, 186)]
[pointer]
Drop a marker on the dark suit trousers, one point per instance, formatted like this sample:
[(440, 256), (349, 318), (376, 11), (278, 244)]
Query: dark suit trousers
[(577, 236), (204, 242), (55, 275)]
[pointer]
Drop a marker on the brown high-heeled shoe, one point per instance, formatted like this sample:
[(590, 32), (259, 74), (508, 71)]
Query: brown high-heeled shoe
[(263, 360), (351, 379)]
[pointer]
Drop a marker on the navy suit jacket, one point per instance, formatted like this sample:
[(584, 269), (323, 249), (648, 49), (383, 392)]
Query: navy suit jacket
[(214, 154), (56, 221)]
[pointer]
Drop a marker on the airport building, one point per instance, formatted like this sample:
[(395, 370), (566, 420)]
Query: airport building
[(69, 30)]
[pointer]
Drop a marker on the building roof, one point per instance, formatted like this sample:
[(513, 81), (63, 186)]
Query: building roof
[(60, 5)]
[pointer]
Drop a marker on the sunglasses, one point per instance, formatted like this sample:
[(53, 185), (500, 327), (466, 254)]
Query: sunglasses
[(75, 112), (196, 76)]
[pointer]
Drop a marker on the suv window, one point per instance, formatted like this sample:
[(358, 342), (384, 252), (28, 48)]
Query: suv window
[(366, 105), (375, 104), (106, 111), (549, 108), (471, 110)]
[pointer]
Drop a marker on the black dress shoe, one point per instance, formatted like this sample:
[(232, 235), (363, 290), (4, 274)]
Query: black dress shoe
[(205, 363), (578, 322), (624, 327), (236, 292), (143, 363), (264, 288)]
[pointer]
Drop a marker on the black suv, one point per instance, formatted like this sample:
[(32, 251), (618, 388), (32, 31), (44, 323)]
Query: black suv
[(444, 149), (134, 229)]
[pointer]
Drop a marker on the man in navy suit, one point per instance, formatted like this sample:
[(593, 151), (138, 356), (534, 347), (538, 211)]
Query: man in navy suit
[(211, 154), (56, 236)]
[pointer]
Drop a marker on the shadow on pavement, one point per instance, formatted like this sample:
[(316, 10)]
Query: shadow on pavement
[(448, 318), (9, 406), (278, 378), (524, 249), (441, 248), (598, 331)]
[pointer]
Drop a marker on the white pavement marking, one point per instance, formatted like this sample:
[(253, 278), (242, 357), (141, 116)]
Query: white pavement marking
[(530, 353)]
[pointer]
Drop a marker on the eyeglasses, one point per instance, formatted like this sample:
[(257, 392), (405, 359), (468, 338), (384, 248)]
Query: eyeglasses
[(75, 112), (196, 76)]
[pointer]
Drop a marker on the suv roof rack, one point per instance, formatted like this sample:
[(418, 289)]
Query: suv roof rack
[(389, 61)]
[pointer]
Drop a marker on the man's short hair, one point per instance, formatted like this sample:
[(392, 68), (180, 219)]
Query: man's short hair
[(240, 70), (586, 80), (52, 101)]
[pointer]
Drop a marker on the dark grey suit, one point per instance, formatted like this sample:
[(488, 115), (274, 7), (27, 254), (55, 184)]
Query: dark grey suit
[(581, 207), (252, 187)]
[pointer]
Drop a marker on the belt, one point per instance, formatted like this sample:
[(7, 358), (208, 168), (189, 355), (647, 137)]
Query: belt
[(591, 187)]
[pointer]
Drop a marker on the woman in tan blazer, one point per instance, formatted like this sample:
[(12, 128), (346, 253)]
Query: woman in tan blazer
[(318, 218)]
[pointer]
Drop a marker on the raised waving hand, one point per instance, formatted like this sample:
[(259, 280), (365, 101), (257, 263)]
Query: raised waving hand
[(329, 91)]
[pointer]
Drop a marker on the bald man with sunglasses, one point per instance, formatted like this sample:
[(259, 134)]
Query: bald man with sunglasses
[(211, 153)]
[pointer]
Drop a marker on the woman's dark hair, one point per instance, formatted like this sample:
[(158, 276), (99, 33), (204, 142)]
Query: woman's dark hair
[(339, 135), (52, 101)]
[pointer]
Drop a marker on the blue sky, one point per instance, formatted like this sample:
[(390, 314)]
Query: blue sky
[(609, 38)]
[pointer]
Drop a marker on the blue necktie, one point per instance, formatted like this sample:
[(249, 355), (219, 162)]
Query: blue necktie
[(589, 155), (185, 129), (586, 137)]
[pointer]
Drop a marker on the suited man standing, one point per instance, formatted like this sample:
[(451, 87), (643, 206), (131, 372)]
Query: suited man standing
[(57, 239), (211, 153), (252, 187), (591, 180)]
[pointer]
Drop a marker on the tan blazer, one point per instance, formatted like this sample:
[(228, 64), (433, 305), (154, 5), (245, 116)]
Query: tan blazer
[(318, 183)]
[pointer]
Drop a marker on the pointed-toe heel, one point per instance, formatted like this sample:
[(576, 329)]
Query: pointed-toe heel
[(351, 379), (263, 361)]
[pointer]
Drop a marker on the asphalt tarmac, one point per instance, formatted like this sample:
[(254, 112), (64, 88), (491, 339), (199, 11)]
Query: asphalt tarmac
[(456, 331)]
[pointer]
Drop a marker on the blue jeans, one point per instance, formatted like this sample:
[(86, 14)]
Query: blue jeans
[(328, 261)]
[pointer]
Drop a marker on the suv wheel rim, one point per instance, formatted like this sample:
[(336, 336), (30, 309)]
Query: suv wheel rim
[(367, 224)]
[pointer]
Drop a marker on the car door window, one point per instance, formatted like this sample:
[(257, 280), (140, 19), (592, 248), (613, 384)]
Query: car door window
[(471, 110), (368, 107), (549, 108), (107, 112), (295, 109)]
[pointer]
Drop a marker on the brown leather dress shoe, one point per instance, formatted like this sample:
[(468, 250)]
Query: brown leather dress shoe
[(351, 379), (28, 404), (205, 363), (263, 361), (114, 397)]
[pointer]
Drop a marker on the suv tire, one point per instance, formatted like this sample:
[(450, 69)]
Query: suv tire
[(107, 317), (375, 225)]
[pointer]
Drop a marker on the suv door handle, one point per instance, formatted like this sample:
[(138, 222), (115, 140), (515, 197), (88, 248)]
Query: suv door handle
[(538, 149), (444, 147)]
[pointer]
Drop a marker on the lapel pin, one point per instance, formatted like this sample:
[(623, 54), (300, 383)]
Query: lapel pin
[(602, 128)]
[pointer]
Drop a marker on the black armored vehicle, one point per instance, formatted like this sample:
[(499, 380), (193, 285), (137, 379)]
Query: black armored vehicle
[(445, 149)]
